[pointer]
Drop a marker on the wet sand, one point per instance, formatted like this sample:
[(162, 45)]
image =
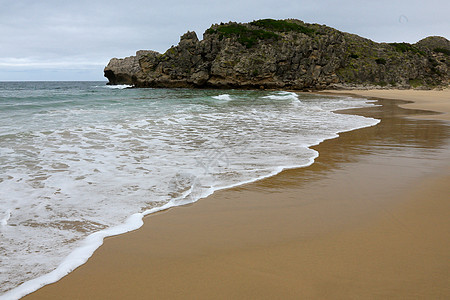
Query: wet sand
[(434, 100), (368, 220)]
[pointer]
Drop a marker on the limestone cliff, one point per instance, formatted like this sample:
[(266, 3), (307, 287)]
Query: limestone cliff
[(288, 54)]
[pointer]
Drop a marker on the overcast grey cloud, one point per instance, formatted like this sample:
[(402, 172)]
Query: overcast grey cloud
[(74, 40)]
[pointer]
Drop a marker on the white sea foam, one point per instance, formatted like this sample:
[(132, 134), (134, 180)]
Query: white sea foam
[(118, 86), (225, 97), (77, 182), (289, 96), (4, 220)]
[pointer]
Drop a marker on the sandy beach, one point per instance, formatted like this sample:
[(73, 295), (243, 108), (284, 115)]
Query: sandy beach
[(368, 220)]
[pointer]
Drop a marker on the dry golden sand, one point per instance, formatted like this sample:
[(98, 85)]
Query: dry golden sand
[(368, 220)]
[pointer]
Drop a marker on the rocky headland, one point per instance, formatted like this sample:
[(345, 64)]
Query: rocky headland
[(285, 54)]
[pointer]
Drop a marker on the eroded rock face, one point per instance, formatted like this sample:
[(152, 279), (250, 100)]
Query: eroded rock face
[(286, 54), (125, 70)]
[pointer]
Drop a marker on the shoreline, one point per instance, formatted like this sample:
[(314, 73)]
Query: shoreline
[(212, 208), (91, 243)]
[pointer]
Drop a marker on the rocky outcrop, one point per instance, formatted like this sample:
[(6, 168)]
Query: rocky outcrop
[(286, 54), (125, 70), (435, 43)]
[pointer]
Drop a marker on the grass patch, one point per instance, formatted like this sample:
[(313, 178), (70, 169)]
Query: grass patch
[(282, 26), (245, 36)]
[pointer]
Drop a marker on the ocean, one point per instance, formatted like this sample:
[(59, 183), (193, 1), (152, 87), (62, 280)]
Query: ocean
[(80, 161)]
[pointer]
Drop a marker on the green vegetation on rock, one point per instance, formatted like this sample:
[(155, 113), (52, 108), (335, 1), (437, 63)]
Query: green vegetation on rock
[(442, 50), (415, 82), (380, 61), (247, 37), (405, 47), (282, 26)]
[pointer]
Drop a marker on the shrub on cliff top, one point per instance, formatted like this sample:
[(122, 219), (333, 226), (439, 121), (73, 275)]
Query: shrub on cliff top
[(404, 47), (282, 26), (245, 36)]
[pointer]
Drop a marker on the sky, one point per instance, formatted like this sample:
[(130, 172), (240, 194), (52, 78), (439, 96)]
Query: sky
[(75, 39)]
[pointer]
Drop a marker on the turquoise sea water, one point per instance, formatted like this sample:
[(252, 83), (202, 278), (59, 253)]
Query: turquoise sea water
[(81, 160)]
